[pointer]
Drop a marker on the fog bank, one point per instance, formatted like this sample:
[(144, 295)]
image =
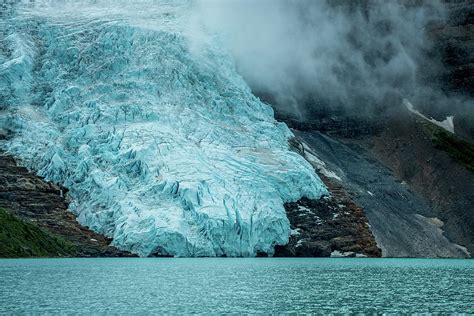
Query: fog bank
[(306, 55)]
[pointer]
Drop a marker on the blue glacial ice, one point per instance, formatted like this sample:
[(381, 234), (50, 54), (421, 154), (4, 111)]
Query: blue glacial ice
[(164, 149)]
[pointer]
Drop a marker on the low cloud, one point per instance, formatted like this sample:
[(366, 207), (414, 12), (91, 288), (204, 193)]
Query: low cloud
[(306, 55)]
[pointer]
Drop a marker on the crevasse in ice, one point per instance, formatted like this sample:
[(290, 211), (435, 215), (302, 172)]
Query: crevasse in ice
[(164, 150)]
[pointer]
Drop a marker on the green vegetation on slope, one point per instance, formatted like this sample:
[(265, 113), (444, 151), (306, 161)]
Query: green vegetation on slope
[(458, 149), (19, 239)]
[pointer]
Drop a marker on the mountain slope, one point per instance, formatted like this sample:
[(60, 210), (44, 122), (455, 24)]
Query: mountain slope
[(23, 239), (426, 158)]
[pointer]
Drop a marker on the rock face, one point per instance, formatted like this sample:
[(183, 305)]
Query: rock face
[(432, 166), (30, 198), (399, 217), (331, 224)]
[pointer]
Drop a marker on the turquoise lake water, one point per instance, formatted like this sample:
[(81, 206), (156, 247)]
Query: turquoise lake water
[(159, 285)]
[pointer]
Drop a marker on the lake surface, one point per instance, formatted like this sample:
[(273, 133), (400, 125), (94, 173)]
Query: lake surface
[(158, 285)]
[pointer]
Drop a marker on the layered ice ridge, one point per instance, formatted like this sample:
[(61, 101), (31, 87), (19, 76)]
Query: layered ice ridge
[(164, 150)]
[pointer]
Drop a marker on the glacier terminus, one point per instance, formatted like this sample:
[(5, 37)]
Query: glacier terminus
[(160, 142)]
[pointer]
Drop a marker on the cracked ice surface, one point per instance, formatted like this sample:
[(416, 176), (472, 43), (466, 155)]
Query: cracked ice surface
[(164, 150)]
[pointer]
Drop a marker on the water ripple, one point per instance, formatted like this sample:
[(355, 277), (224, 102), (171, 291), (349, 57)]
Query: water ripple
[(123, 286)]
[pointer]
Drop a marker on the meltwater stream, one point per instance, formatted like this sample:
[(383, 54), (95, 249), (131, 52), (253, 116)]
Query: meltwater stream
[(226, 285)]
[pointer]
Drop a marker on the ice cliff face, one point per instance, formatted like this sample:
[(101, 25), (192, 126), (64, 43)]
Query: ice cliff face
[(164, 150)]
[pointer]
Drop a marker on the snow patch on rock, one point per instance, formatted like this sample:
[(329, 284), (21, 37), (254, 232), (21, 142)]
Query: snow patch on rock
[(447, 124)]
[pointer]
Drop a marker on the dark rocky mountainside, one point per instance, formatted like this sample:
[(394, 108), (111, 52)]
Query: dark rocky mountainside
[(331, 226), (401, 219), (414, 180), (436, 165)]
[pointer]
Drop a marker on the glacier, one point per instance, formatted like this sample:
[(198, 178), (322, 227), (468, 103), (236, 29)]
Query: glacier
[(162, 145)]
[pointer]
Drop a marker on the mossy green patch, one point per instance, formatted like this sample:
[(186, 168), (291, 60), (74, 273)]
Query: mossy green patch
[(20, 239), (458, 149)]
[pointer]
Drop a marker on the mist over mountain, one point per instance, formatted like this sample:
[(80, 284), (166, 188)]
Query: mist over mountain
[(352, 56)]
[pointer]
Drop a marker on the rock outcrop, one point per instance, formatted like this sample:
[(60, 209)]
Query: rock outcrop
[(333, 224)]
